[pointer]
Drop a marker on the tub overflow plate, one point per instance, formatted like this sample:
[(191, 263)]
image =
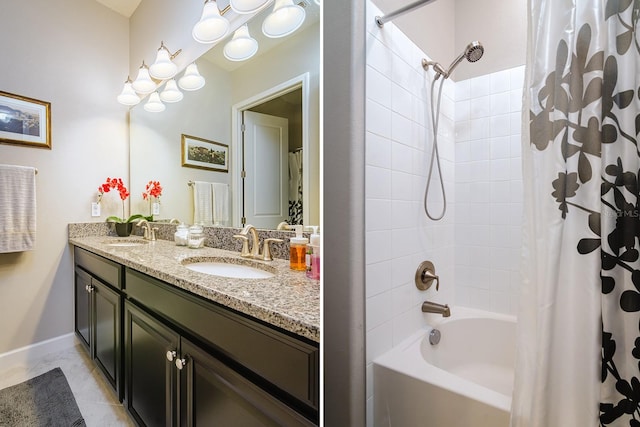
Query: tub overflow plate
[(425, 275)]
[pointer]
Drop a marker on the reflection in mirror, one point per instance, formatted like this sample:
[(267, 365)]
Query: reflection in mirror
[(281, 80)]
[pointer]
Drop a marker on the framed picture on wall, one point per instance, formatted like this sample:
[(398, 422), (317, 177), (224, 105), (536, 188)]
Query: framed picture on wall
[(24, 121), (204, 154)]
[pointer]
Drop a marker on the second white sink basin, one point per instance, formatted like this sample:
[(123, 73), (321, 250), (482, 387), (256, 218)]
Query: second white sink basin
[(224, 269)]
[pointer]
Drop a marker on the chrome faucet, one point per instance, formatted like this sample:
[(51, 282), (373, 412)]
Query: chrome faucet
[(149, 232), (432, 307), (255, 244)]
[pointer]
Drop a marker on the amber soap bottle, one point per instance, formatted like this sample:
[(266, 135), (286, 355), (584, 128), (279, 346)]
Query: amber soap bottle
[(298, 250)]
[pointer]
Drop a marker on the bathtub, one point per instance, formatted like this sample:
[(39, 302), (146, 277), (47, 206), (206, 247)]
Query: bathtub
[(464, 380)]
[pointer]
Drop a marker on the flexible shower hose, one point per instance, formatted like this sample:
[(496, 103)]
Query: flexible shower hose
[(435, 119)]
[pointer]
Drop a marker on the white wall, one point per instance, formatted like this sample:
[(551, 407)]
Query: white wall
[(445, 27), (72, 53), (398, 235), (489, 190)]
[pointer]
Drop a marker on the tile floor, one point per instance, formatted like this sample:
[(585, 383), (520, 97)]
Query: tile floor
[(97, 402)]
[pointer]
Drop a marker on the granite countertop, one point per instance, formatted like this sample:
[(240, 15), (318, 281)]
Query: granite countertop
[(288, 300)]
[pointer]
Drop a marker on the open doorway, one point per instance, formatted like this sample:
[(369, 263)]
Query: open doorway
[(269, 139)]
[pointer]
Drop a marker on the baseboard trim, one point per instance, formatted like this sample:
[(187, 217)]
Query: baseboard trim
[(30, 353)]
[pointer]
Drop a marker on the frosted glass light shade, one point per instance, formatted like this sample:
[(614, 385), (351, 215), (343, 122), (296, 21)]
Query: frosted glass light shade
[(143, 83), (247, 6), (128, 96), (163, 68), (191, 80), (284, 20), (154, 105), (212, 26), (242, 46), (171, 93)]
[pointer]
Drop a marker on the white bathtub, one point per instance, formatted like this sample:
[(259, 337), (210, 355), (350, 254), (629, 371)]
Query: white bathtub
[(465, 380)]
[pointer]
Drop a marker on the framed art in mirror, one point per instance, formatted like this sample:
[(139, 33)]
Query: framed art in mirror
[(24, 121), (202, 153)]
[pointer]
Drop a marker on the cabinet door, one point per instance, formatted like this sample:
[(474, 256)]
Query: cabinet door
[(106, 332), (83, 307), (150, 378), (212, 394)]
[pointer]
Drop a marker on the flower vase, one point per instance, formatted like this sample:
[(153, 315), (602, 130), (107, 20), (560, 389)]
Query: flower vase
[(123, 229)]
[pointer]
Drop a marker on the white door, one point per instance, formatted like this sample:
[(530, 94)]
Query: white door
[(266, 183)]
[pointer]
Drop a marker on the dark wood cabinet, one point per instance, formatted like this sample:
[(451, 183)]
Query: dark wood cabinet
[(212, 394), (98, 317), (151, 379), (176, 359)]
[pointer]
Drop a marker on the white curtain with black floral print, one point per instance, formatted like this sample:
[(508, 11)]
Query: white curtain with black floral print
[(579, 319)]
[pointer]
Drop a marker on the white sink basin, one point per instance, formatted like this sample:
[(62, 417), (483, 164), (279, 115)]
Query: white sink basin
[(225, 269), (125, 243)]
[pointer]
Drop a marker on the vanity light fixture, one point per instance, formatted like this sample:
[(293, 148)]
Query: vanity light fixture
[(242, 46), (154, 105), (143, 83), (171, 93), (191, 79), (244, 7), (284, 20), (164, 68), (212, 26), (128, 96)]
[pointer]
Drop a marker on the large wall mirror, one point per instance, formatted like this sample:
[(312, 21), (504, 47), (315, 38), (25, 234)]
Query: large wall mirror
[(261, 115)]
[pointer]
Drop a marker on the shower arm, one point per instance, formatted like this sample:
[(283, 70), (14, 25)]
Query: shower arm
[(381, 20)]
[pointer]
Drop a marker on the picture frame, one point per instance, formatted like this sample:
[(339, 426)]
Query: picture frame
[(24, 121), (202, 153)]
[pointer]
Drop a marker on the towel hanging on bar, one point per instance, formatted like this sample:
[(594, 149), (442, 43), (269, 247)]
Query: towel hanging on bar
[(17, 208)]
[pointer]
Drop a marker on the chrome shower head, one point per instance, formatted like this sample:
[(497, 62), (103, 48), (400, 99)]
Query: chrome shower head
[(473, 52)]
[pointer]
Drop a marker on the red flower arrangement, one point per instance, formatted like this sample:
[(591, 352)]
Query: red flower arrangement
[(153, 189), (116, 183)]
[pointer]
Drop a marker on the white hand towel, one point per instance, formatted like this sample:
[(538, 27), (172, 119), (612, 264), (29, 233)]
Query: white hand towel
[(17, 208), (220, 203), (202, 203)]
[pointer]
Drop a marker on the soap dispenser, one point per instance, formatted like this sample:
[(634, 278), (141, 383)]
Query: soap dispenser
[(313, 254), (298, 250)]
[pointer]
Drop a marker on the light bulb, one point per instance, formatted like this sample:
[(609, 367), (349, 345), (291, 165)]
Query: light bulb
[(284, 20), (128, 96), (242, 46), (212, 26), (143, 83), (154, 105), (191, 80), (247, 6), (163, 68), (171, 93)]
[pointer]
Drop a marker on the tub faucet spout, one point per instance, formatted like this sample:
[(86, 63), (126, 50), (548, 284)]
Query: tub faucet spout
[(432, 307)]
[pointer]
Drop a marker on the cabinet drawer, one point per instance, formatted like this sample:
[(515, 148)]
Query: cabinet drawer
[(104, 269), (288, 363)]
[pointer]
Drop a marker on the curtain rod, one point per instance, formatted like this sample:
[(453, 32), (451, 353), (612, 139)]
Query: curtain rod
[(381, 20)]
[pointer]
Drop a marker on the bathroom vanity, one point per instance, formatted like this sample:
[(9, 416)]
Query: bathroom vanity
[(181, 347)]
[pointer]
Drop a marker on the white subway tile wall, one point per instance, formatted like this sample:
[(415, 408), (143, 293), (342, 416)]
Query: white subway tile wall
[(475, 248), (398, 235), (488, 185)]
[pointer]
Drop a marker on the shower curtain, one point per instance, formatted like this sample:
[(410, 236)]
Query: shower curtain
[(579, 339), (295, 187)]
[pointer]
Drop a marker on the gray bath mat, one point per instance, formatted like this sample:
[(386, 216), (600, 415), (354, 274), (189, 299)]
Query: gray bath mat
[(45, 400)]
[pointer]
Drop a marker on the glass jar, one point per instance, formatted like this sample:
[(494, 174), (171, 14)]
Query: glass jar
[(195, 237), (181, 235)]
